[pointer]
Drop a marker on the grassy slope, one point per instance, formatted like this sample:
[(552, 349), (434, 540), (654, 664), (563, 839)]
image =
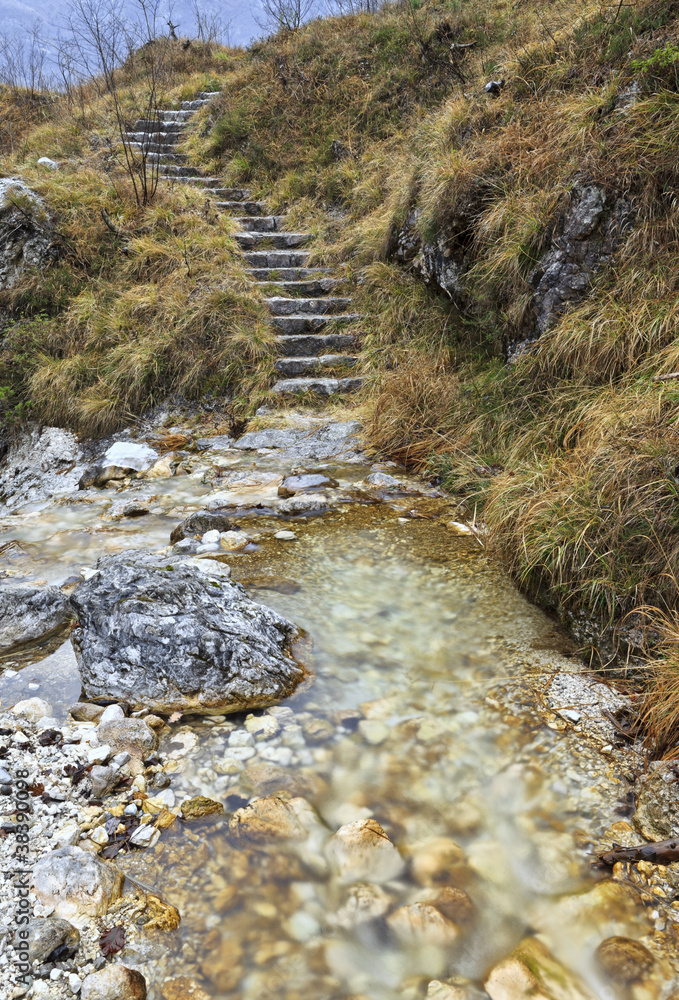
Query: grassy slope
[(120, 322), (569, 455)]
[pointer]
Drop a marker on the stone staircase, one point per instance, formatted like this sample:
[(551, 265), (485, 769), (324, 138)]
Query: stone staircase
[(312, 325)]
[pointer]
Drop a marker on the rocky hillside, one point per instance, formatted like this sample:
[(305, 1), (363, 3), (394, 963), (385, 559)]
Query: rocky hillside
[(498, 183)]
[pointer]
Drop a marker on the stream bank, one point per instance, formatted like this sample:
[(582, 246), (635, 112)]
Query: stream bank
[(414, 821)]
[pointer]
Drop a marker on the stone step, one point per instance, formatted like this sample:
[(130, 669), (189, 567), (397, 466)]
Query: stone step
[(307, 322), (310, 344), (307, 366), (260, 223), (156, 148), (277, 276), (174, 116), (195, 105), (208, 95), (182, 173), (148, 125), (251, 207), (157, 138), (317, 386), (167, 158), (233, 195), (289, 307), (278, 241), (306, 288), (276, 259)]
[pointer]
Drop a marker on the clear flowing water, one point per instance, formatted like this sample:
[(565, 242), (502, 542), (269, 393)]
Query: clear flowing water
[(421, 714)]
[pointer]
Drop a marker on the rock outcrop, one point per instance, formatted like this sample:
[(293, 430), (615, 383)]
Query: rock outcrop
[(42, 462), (29, 613), (26, 237), (169, 634)]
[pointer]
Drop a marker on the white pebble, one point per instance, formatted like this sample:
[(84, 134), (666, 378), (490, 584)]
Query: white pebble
[(241, 738), (286, 536)]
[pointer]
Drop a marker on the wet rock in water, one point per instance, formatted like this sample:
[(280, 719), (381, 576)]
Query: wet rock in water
[(169, 634), (99, 475), (131, 736), (115, 982), (200, 522), (657, 814), (624, 960), (73, 884), (51, 939), (303, 504), (223, 963), (363, 902), (362, 852), (220, 442), (32, 709), (274, 819), (454, 904), (328, 441), (268, 779), (85, 711), (29, 613), (420, 924), (532, 973), (453, 989), (183, 988), (307, 481), (200, 807), (128, 508), (439, 861)]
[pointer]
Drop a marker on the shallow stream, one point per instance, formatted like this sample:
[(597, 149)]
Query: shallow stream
[(425, 712)]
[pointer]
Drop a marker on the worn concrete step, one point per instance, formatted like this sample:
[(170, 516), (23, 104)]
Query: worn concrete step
[(307, 322), (260, 223), (272, 275), (308, 366), (155, 148), (280, 306), (251, 207), (174, 116), (278, 241), (312, 344), (148, 125), (303, 289), (272, 259), (317, 386), (157, 138)]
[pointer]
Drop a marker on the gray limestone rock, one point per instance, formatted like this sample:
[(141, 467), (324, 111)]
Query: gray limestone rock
[(29, 613), (73, 884), (582, 243), (103, 779), (47, 935), (170, 634), (26, 237), (40, 463), (335, 440)]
